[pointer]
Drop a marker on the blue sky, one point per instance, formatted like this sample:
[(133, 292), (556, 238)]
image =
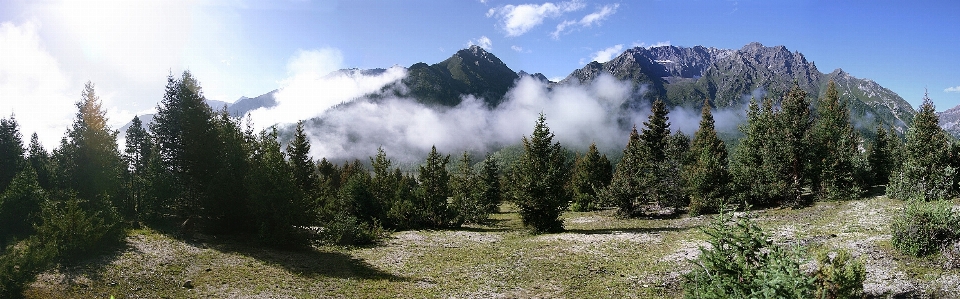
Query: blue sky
[(48, 49)]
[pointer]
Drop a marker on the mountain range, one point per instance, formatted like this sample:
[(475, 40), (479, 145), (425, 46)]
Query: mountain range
[(680, 76)]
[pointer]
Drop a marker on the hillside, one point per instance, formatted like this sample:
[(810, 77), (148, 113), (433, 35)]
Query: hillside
[(599, 256)]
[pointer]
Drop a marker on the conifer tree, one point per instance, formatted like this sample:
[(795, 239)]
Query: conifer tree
[(624, 188), (20, 206), (706, 177), (925, 172), (304, 170), (835, 151), (223, 202), (11, 151), (879, 157), (273, 191), (465, 191), (489, 185), (137, 153), (383, 180), (770, 165), (538, 181), (39, 159), (433, 190), (794, 121), (591, 172), (660, 181), (186, 141), (88, 159)]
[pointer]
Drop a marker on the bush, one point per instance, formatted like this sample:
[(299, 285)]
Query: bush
[(345, 229), (20, 265), (923, 227), (742, 262), (839, 277), (77, 228)]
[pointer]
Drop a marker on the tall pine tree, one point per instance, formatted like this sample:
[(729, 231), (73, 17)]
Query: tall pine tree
[(879, 157), (88, 160), (538, 180), (11, 151), (489, 185), (39, 159), (186, 143), (707, 178), (137, 153), (835, 149), (925, 173), (433, 191), (304, 170), (794, 121), (660, 182), (624, 188), (591, 172)]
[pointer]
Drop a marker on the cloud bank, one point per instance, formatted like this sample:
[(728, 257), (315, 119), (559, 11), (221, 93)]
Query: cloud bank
[(313, 87), (578, 114), (952, 89)]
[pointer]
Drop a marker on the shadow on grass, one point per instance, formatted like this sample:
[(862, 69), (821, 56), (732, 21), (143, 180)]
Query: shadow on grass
[(302, 260), (309, 262)]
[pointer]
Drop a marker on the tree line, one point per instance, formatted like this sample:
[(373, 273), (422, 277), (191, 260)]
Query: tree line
[(202, 167)]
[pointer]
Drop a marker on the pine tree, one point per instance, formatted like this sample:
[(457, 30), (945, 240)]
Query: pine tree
[(489, 185), (434, 190), (659, 176), (538, 181), (273, 192), (591, 172), (757, 179), (464, 188), (770, 164), (20, 206), (624, 188), (925, 172), (89, 160), (11, 151), (880, 158), (835, 153), (137, 154), (304, 171), (39, 159), (794, 121), (707, 177), (186, 143)]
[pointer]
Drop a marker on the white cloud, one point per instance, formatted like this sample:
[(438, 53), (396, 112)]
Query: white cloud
[(127, 48), (311, 88), (315, 62), (952, 89), (518, 19), (607, 54), (519, 49), (33, 87), (483, 42), (587, 21)]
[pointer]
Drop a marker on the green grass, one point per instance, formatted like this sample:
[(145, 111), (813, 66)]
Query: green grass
[(599, 256)]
